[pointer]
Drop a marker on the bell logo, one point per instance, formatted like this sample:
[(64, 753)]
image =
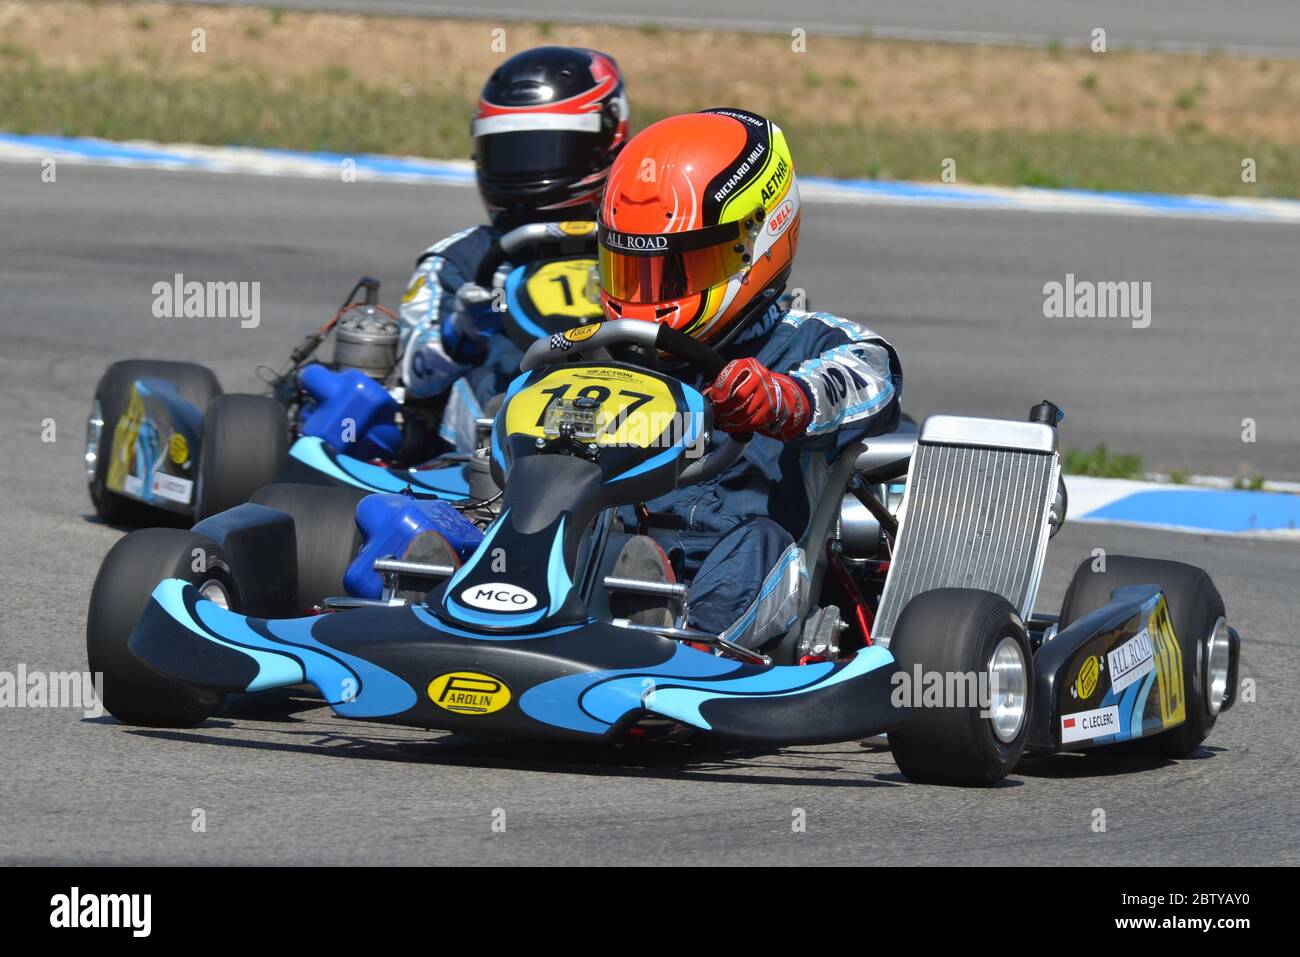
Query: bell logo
[(780, 218), (499, 596)]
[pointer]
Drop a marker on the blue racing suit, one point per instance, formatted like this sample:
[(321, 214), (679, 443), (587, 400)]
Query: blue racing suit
[(437, 360), (736, 545)]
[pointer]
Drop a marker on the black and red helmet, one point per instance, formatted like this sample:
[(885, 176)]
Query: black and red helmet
[(548, 125)]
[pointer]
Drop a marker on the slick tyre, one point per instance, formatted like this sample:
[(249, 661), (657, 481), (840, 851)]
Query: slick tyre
[(1195, 609), (325, 526), (131, 691), (245, 445), (195, 384), (972, 634)]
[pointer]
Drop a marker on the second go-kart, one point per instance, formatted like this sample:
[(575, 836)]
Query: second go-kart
[(164, 442), (922, 558)]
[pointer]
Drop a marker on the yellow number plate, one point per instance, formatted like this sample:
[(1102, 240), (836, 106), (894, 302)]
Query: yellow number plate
[(560, 289), (635, 408)]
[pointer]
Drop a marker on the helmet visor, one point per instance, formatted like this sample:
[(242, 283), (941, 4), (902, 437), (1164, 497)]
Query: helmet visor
[(536, 152), (659, 267)]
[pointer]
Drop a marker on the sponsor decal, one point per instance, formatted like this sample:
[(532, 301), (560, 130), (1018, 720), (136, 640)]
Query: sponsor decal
[(1169, 668), (780, 218), (1086, 683), (499, 596), (600, 373), (741, 172), (772, 188), (1131, 661), (749, 118), (579, 333), (635, 243), (172, 487), (1086, 725), (578, 228), (178, 449), (413, 289), (469, 692)]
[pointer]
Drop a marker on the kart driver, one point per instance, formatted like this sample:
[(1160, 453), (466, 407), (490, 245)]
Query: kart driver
[(706, 244), (548, 125)]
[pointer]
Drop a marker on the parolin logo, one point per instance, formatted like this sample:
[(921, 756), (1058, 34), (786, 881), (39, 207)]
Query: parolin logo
[(1086, 683), (469, 692)]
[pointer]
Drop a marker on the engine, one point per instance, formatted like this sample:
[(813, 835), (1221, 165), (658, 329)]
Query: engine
[(366, 339)]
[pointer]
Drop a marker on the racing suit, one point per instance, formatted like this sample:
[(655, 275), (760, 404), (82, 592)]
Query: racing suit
[(734, 537), (439, 362)]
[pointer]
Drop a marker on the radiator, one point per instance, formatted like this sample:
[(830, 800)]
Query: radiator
[(974, 514)]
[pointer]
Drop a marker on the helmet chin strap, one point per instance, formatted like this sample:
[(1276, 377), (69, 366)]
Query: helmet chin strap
[(755, 310)]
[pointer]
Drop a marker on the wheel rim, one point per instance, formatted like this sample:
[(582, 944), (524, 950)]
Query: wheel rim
[(1217, 655), (216, 593), (1007, 672), (94, 431)]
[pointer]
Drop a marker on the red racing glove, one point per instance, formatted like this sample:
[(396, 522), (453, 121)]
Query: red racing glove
[(749, 397)]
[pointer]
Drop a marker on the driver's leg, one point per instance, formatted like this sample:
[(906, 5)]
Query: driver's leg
[(749, 583), (470, 395)]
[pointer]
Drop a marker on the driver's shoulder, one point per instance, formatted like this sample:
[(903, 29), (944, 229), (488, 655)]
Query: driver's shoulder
[(464, 247), (820, 324), (801, 336)]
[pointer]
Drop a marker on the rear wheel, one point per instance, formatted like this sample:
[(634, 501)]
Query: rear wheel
[(195, 384), (245, 444), (1196, 611), (131, 691), (325, 525), (972, 640)]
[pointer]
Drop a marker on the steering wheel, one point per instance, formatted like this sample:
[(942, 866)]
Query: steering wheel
[(705, 360), (569, 238)]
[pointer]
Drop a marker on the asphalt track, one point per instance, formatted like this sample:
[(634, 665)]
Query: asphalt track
[(960, 294), (1269, 27)]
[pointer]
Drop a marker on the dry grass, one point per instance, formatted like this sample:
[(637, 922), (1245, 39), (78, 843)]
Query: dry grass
[(1060, 112)]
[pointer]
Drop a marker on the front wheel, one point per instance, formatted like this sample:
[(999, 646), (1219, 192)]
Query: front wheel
[(962, 644), (325, 528), (131, 691), (1196, 612)]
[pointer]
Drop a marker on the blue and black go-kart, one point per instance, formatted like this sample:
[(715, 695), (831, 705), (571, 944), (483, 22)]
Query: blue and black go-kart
[(920, 565)]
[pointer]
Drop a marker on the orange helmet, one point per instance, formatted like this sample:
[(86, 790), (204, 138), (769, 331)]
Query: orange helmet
[(699, 223)]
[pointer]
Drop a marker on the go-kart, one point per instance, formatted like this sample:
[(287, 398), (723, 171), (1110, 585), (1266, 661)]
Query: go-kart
[(163, 440), (922, 559)]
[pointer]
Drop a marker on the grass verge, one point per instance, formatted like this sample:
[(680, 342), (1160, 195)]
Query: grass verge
[(853, 107)]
